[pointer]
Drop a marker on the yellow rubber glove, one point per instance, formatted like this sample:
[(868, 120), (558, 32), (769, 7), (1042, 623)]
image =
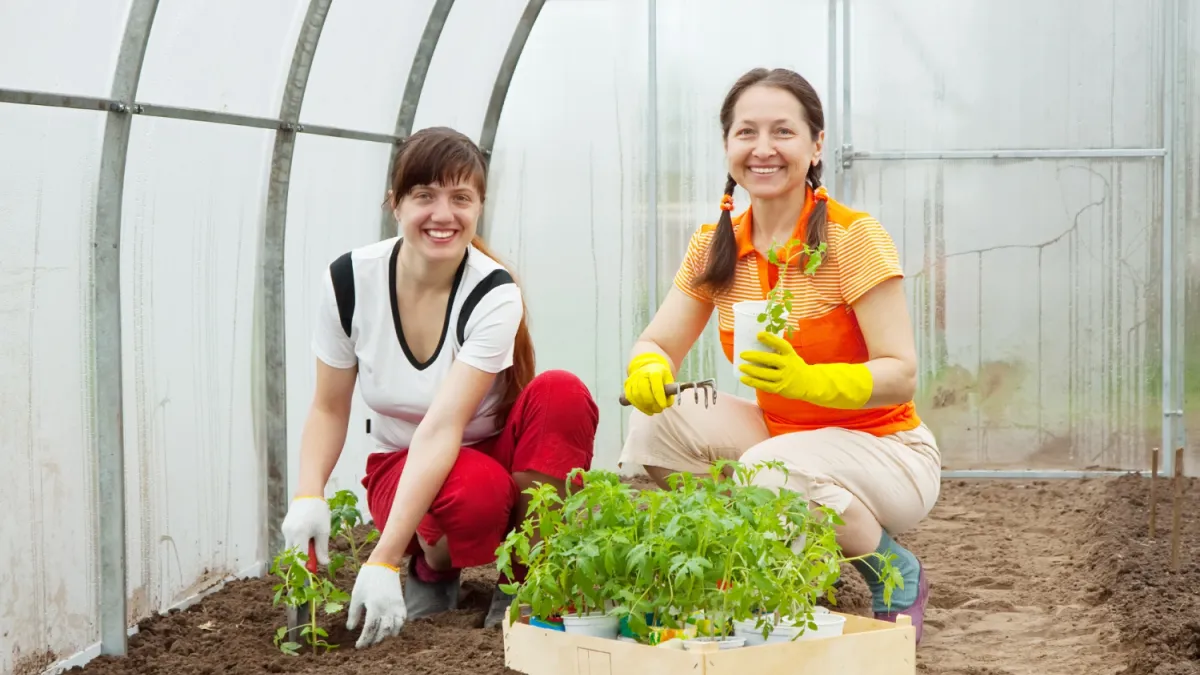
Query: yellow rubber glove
[(648, 374), (846, 386)]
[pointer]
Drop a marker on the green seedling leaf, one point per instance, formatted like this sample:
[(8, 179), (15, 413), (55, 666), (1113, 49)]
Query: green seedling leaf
[(298, 587)]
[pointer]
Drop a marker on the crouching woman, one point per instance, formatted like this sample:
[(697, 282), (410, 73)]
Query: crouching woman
[(431, 327)]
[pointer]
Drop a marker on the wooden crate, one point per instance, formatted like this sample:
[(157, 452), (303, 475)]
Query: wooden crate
[(867, 647)]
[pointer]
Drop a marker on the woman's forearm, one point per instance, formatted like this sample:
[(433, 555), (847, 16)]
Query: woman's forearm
[(430, 459), (645, 346), (320, 447), (893, 382)]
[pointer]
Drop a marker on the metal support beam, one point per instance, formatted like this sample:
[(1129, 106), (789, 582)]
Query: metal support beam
[(412, 96), (652, 188), (23, 97), (833, 124), (516, 45), (491, 119), (105, 369), (1000, 153), (846, 134), (1172, 410), (272, 381)]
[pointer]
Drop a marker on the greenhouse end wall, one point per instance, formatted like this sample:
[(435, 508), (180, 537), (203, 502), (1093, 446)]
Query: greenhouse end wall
[(1033, 261)]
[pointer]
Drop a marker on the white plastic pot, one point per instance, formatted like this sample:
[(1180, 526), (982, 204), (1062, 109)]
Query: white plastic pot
[(828, 625), (723, 643), (595, 624), (746, 328)]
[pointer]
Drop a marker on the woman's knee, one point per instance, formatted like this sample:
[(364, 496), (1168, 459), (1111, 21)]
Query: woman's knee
[(562, 389), (554, 424)]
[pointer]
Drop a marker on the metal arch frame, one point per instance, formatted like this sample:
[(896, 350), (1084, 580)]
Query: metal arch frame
[(416, 84), (412, 95), (516, 46), (272, 383), (107, 398)]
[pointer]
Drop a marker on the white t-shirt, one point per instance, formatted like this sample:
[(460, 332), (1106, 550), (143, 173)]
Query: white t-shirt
[(358, 323)]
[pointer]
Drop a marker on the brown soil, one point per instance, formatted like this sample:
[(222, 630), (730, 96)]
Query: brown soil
[(1041, 577), (1156, 609)]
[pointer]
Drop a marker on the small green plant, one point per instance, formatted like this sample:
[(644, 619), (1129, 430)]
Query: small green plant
[(299, 586), (574, 546), (780, 299), (344, 517), (693, 559)]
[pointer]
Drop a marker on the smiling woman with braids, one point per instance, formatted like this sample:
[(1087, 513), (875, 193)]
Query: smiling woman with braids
[(834, 401)]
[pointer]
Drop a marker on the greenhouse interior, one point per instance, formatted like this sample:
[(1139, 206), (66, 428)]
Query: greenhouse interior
[(209, 164)]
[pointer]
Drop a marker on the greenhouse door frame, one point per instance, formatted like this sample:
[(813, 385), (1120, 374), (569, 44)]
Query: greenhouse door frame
[(841, 137)]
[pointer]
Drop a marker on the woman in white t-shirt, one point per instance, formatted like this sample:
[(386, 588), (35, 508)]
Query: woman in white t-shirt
[(431, 327)]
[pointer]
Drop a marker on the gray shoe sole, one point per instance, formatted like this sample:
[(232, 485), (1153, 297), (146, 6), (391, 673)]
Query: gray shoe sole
[(498, 610), (424, 599)]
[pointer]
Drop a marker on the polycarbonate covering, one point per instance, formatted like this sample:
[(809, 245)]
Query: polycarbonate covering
[(47, 535), (962, 75), (69, 47), (362, 63), (464, 67), (334, 205), (1036, 318), (567, 198), (1035, 284), (225, 55), (189, 233)]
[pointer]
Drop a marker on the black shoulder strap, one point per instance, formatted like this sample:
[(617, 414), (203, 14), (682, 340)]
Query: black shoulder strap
[(497, 278), (341, 271)]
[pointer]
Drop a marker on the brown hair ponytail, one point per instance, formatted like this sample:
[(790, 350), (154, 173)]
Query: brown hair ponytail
[(521, 373), (819, 218), (722, 251)]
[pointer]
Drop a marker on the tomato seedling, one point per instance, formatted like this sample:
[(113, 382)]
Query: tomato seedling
[(297, 587), (779, 299), (344, 517)]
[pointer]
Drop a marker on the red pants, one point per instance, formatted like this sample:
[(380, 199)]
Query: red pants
[(551, 430)]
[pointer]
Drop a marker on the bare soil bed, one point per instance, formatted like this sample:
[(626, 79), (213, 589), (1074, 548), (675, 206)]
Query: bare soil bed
[(1028, 577)]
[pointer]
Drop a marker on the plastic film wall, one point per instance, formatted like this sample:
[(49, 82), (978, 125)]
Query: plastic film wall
[(256, 140)]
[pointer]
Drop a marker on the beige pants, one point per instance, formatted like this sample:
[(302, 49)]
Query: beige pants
[(897, 477)]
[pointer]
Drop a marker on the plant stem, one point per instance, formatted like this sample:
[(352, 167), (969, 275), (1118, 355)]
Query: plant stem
[(353, 550)]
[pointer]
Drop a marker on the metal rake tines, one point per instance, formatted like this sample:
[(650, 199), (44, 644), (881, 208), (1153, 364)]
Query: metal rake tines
[(675, 388), (709, 385)]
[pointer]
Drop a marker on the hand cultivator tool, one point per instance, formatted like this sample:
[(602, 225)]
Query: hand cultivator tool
[(709, 385), (299, 617)]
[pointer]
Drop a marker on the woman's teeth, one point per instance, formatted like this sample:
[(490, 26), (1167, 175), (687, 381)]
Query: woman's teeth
[(440, 234), (764, 170)]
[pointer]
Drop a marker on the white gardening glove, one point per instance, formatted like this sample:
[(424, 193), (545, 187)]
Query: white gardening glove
[(308, 518), (377, 590)]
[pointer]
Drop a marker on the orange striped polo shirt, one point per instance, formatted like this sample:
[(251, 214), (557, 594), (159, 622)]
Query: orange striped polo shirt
[(859, 255)]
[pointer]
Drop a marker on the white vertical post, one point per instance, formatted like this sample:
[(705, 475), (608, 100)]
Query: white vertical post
[(1169, 408), (652, 125)]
